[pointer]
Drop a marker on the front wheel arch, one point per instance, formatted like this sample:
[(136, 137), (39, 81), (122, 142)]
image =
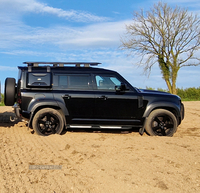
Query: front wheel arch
[(172, 107)]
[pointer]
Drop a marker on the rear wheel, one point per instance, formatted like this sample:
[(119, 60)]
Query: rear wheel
[(161, 122), (48, 121), (9, 92)]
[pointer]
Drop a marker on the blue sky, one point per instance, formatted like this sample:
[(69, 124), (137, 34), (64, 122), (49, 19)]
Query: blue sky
[(89, 30)]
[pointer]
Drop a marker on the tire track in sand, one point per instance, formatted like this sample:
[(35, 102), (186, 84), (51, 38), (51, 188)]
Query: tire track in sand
[(24, 149)]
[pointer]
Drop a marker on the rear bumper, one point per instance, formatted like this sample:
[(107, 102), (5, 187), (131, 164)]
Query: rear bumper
[(17, 111), (24, 116)]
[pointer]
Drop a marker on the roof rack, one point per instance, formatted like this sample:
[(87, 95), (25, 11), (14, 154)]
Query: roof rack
[(61, 64)]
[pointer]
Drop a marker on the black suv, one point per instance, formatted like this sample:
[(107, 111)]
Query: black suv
[(56, 95)]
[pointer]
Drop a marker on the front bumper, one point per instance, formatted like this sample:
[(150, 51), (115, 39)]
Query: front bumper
[(182, 111)]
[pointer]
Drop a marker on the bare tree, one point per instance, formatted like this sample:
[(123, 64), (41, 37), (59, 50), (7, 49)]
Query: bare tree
[(164, 36)]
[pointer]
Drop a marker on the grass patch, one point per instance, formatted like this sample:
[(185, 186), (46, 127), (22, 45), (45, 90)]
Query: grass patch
[(188, 94)]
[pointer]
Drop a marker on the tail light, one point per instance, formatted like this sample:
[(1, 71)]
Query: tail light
[(19, 100)]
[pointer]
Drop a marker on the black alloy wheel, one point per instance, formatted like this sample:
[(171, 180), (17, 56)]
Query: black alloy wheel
[(48, 121), (161, 123)]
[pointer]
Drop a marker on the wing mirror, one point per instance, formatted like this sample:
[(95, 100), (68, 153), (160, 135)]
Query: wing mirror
[(121, 88)]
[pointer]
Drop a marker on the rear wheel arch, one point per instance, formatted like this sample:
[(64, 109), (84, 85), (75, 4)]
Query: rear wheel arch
[(34, 111)]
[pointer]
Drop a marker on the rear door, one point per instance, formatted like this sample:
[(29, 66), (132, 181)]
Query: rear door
[(76, 91)]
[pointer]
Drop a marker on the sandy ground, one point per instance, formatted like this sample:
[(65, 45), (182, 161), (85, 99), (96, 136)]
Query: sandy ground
[(103, 162)]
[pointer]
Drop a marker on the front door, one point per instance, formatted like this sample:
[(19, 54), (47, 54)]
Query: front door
[(112, 106)]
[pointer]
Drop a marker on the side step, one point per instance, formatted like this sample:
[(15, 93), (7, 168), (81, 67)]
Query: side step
[(98, 127)]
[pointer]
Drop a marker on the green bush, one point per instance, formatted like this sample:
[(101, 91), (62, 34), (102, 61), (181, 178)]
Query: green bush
[(189, 94), (158, 89), (2, 100)]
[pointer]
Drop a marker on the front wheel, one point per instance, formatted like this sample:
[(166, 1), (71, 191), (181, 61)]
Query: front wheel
[(48, 121), (161, 122)]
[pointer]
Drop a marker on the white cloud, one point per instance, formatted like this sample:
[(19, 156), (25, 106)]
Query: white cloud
[(189, 2), (17, 34), (97, 35), (34, 6), (14, 33), (8, 68)]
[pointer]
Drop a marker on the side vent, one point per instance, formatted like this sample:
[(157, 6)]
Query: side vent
[(140, 101)]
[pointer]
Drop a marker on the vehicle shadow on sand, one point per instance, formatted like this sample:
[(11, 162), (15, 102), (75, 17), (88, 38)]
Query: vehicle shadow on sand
[(108, 131), (7, 119)]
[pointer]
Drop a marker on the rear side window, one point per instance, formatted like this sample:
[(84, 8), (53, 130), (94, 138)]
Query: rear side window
[(72, 81), (39, 80)]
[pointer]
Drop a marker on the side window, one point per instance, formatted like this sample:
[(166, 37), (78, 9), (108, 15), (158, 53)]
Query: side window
[(63, 81), (79, 81), (107, 82), (72, 81)]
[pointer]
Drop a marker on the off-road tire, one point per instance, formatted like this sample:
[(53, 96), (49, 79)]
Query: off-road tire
[(9, 92), (48, 121), (161, 122)]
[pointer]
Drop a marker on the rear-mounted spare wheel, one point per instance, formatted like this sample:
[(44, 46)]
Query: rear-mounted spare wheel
[(9, 92)]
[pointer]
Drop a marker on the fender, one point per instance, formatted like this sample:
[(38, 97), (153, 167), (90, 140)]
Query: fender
[(45, 102), (162, 105)]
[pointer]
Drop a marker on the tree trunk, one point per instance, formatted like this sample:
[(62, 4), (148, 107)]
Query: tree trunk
[(165, 70), (174, 77), (168, 85), (169, 73)]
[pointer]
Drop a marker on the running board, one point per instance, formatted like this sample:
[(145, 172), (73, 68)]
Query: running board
[(79, 126), (110, 127), (98, 127)]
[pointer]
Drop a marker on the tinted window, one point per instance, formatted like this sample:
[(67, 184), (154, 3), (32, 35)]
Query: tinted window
[(63, 81), (75, 81), (107, 82)]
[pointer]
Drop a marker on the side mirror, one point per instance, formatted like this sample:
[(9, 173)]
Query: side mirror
[(121, 88)]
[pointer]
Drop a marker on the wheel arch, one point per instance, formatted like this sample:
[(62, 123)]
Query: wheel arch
[(38, 106), (172, 107)]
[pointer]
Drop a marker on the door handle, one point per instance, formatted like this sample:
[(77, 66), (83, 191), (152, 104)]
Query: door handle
[(103, 97), (66, 96)]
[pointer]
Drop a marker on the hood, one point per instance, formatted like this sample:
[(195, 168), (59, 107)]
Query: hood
[(152, 91), (155, 92)]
